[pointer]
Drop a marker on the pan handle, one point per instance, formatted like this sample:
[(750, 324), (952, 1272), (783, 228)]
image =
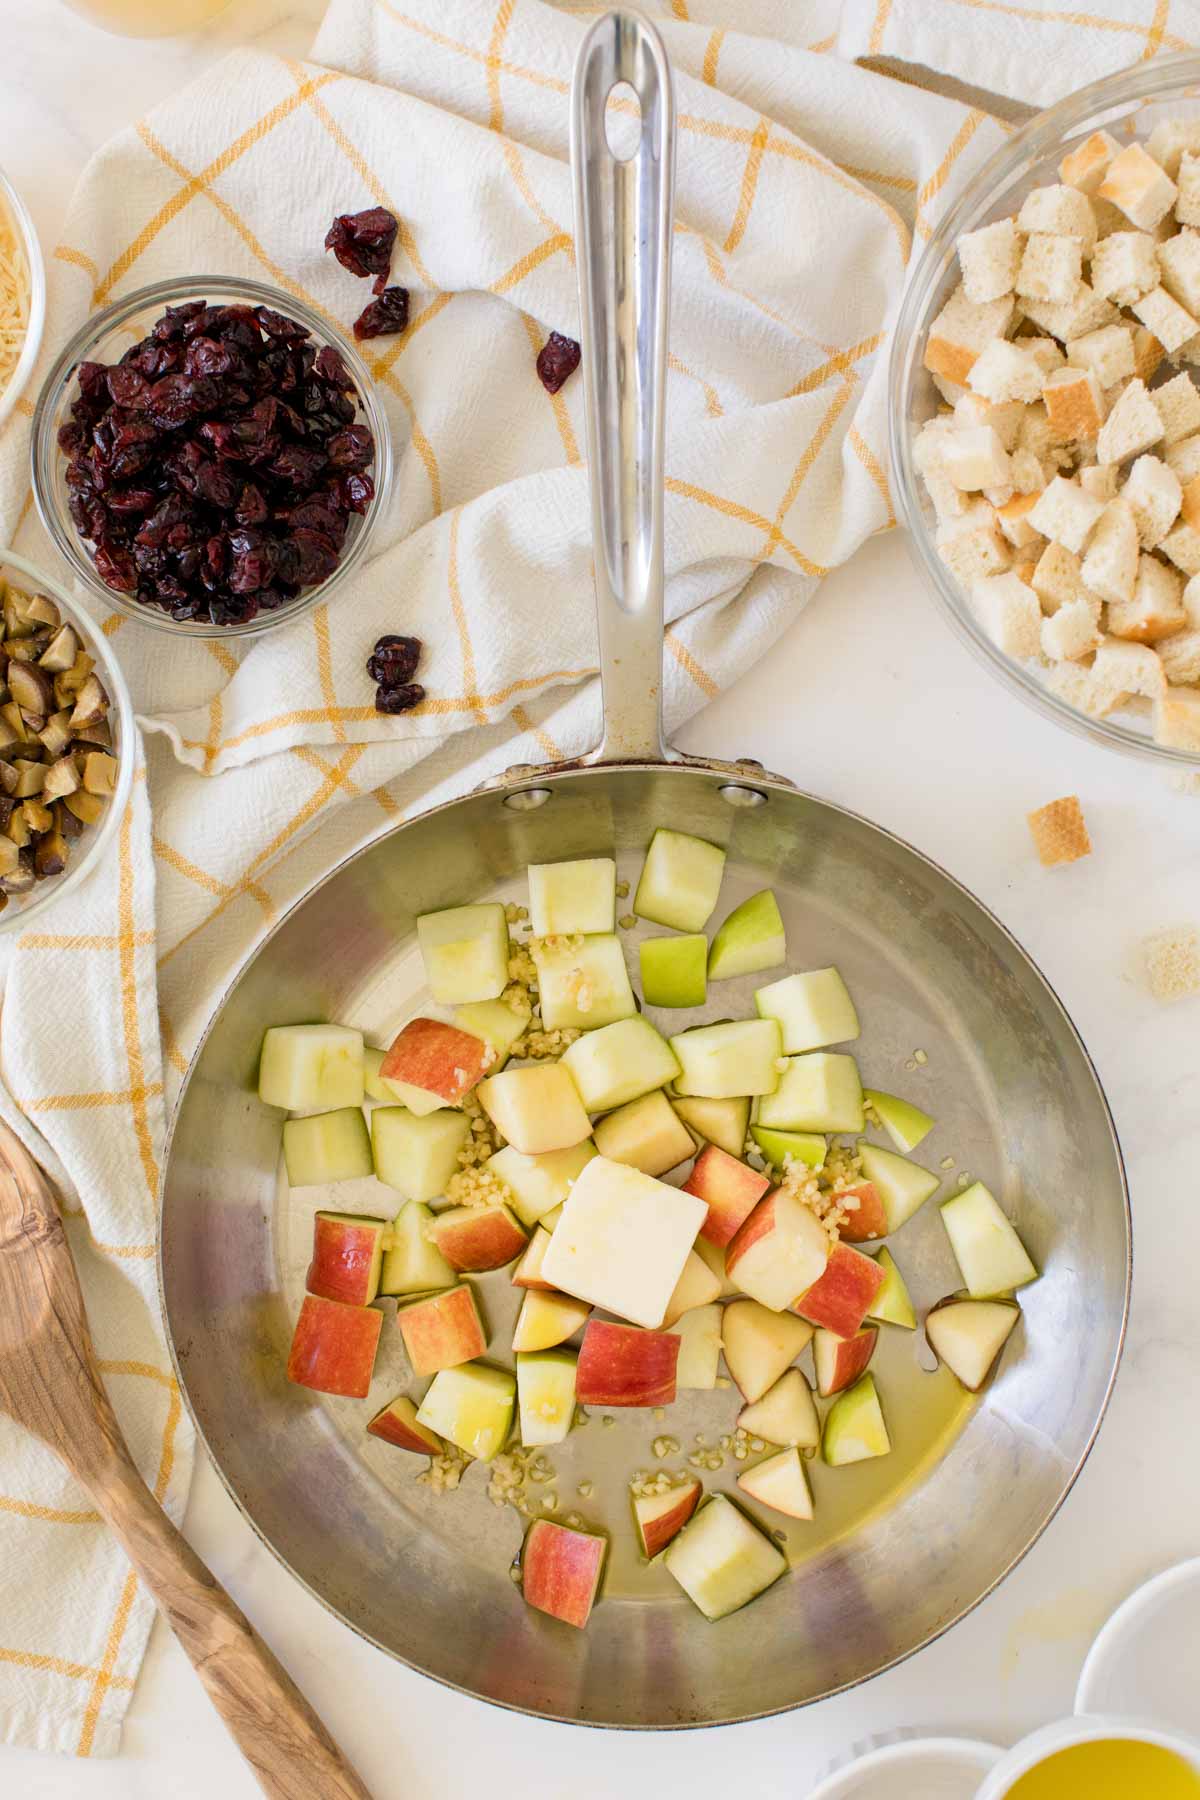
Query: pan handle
[(623, 212)]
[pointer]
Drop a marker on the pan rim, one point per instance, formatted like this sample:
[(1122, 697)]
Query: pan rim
[(752, 775)]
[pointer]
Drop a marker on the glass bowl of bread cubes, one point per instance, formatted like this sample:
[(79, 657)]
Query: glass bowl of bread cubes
[(1045, 412)]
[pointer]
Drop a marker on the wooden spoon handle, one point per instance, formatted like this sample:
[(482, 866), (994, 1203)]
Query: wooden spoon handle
[(276, 1729)]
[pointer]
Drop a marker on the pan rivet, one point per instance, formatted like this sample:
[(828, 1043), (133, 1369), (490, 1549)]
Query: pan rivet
[(735, 795), (527, 799)]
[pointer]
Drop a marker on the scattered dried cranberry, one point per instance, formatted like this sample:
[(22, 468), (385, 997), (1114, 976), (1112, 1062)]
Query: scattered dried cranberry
[(394, 661), (557, 359), (399, 699), (362, 242), (383, 317)]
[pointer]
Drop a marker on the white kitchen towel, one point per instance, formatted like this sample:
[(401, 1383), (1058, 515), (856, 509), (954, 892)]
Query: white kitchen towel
[(802, 182)]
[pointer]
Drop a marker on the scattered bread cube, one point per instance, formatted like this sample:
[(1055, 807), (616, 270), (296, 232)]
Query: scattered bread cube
[(1140, 186), (1065, 514), (974, 458), (1006, 371), (1086, 165), (1163, 315), (1073, 631), (989, 259), (1177, 718), (1026, 471), (1074, 404), (1168, 141), (1009, 612), (1079, 686), (961, 330), (1058, 212), (1154, 610), (1171, 960), (1179, 655), (1154, 492), (1187, 204), (1184, 458), (1051, 268), (1133, 425), (1108, 353), (1125, 266), (1110, 565), (1056, 579), (1059, 832)]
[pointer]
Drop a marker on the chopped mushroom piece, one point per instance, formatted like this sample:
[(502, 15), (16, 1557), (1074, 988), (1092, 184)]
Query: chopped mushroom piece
[(99, 772), (50, 855), (31, 778), (60, 653), (62, 778), (31, 688), (87, 807), (91, 705), (43, 611)]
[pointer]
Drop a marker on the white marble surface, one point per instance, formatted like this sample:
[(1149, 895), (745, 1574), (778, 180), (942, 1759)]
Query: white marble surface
[(869, 701)]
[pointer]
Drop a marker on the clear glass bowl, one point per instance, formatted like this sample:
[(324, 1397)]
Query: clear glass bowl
[(97, 842), (17, 211), (1133, 102), (104, 338)]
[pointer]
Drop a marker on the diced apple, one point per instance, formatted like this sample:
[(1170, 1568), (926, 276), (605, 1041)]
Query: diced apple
[(714, 1256), (550, 1219), (475, 1238), (659, 1517), (472, 1406), (545, 1396), (968, 1335), (528, 1272), (730, 1189), (417, 1156), (537, 1108), (411, 1264), (719, 1122), (841, 1296), (347, 1257), (838, 1361), (751, 938), (465, 952), (622, 1366), (760, 1345), (497, 1024), (991, 1256), (547, 1319), (721, 1560), (333, 1347), (583, 983), (813, 1009), (622, 1241), (619, 1063), (697, 1286), (647, 1134), (442, 1331), (332, 1146), (904, 1123), (699, 1334), (903, 1186), (431, 1064), (782, 1147), (374, 1086), (396, 1423), (780, 1482), (681, 879), (674, 970), (779, 1252), (818, 1092), (310, 1066), (723, 1062), (567, 899), (866, 1215), (786, 1414), (560, 1570), (854, 1426), (892, 1303), (539, 1183)]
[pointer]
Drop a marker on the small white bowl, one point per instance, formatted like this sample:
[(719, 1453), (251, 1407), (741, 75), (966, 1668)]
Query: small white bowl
[(1146, 1660), (1034, 1750), (12, 202), (936, 1768)]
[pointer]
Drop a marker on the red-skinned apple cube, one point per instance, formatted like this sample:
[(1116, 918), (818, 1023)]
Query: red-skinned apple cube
[(560, 1570), (443, 1331), (731, 1190), (841, 1298), (397, 1424), (346, 1259), (475, 1238), (436, 1058), (621, 1365), (779, 1252), (659, 1516), (867, 1219), (333, 1347), (840, 1361)]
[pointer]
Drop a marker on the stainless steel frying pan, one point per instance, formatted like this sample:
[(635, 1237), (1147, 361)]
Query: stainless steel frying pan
[(901, 1547)]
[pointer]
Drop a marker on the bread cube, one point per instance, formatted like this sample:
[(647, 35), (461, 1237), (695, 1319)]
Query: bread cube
[(1163, 315), (1013, 520), (1128, 669), (1110, 566), (1078, 685), (1073, 631), (1056, 578), (1004, 416), (1172, 962), (1140, 186), (1187, 204), (960, 331), (951, 391), (1190, 600), (1108, 353), (1168, 141), (989, 259), (1051, 268), (1184, 458), (1177, 718), (1132, 426), (1059, 832), (1177, 403), (1045, 352), (1006, 371), (1034, 433), (974, 458), (1086, 165), (1179, 269), (1179, 655), (971, 549), (1125, 266), (1148, 354), (1058, 212), (1065, 514), (949, 502), (1155, 608), (1154, 493), (1008, 611), (1026, 472), (1182, 545), (1074, 404), (1085, 311), (1099, 480)]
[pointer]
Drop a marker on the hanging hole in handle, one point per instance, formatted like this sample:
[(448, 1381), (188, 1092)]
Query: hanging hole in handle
[(623, 121)]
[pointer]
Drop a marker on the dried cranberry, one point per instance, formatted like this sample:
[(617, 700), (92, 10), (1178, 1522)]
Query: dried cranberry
[(385, 316), (352, 448), (70, 438), (278, 325), (399, 699), (394, 660), (205, 356), (557, 359), (133, 450), (172, 400), (362, 241), (356, 492), (114, 565), (330, 367), (93, 383), (299, 467), (317, 556), (216, 485), (171, 325), (127, 386), (131, 500), (251, 508)]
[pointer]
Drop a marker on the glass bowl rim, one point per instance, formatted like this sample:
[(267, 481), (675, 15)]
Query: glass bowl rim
[(1035, 141), (31, 348), (44, 451)]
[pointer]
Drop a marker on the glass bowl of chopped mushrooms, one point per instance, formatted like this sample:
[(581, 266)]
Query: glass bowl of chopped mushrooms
[(1045, 412), (211, 456), (66, 736)]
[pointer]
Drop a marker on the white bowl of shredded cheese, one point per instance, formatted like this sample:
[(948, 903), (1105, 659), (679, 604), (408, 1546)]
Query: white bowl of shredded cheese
[(22, 296)]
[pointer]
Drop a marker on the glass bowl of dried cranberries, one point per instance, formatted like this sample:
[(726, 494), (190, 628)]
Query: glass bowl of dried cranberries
[(210, 456)]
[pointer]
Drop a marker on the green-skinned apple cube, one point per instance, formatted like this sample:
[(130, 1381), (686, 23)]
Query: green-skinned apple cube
[(583, 984), (968, 1335), (731, 1061), (472, 1406), (781, 1147), (699, 1334), (648, 1134), (752, 938), (332, 1146), (417, 1156), (545, 1396), (414, 1265), (674, 970), (305, 1067), (855, 1430), (538, 1184), (374, 1086), (465, 952), (497, 1024), (619, 1063), (722, 1561), (681, 879), (813, 1009), (904, 1123), (991, 1256), (903, 1186), (816, 1093), (892, 1303), (719, 1122), (570, 898)]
